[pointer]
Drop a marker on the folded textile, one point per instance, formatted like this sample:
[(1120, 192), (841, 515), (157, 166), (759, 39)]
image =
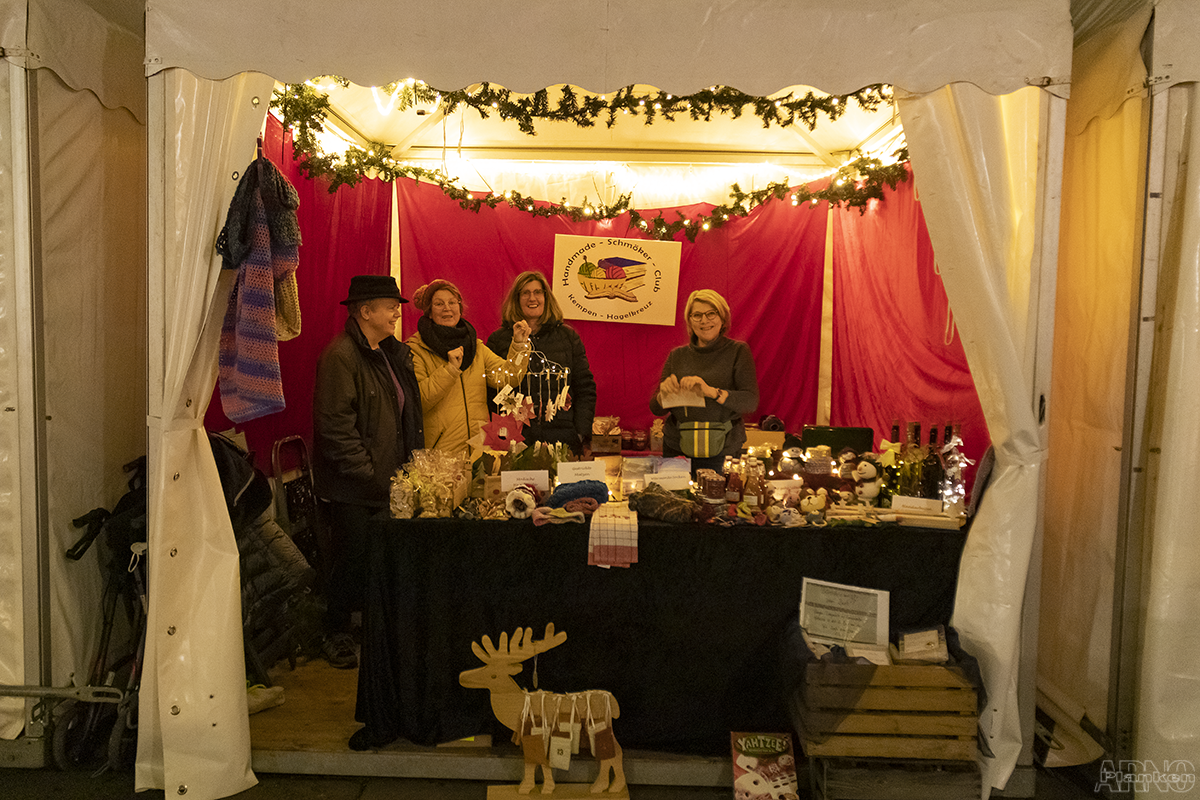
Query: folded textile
[(586, 505), (613, 536), (596, 490), (556, 516), (658, 503)]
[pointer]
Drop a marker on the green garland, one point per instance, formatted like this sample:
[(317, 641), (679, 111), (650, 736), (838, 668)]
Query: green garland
[(854, 185)]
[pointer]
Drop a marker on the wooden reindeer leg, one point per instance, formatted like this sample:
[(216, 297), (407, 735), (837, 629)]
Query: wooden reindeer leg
[(618, 767)]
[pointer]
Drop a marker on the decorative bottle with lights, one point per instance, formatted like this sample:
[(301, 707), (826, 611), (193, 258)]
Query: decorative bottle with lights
[(932, 470), (908, 480), (891, 468)]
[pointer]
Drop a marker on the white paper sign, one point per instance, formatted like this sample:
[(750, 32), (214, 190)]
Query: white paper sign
[(573, 471), (608, 279), (834, 612), (669, 480), (537, 478)]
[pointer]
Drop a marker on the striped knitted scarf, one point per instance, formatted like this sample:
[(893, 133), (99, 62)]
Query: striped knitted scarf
[(249, 376)]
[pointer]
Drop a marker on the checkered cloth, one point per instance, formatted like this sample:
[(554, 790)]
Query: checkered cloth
[(613, 537)]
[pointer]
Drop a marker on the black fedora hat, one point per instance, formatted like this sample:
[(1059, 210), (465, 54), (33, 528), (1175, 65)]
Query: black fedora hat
[(369, 287)]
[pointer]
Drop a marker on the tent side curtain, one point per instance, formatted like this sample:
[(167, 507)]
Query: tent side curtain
[(680, 47), (193, 727), (978, 193)]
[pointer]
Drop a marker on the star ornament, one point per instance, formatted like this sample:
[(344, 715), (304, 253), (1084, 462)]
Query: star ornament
[(502, 431), (524, 410)]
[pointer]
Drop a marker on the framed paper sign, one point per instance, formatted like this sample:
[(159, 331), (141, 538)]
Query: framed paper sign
[(607, 279)]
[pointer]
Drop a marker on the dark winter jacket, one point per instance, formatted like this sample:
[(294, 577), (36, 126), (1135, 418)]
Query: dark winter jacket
[(562, 345), (358, 443)]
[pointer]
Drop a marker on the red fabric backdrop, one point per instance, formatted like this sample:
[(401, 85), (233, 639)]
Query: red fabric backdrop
[(890, 358), (894, 354), (767, 266)]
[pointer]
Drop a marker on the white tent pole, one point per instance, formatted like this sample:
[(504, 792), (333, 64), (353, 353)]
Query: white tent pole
[(31, 399), (1127, 584)]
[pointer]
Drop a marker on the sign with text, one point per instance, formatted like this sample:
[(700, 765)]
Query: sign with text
[(607, 279)]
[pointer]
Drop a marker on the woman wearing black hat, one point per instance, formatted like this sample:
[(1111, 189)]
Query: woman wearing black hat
[(366, 422)]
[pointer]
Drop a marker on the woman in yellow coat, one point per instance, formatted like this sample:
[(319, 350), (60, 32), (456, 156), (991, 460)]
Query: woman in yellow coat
[(454, 368)]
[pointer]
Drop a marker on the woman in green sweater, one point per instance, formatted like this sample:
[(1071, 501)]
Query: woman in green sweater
[(711, 368)]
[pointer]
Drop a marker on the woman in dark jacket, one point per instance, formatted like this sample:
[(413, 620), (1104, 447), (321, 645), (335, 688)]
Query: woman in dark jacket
[(554, 345)]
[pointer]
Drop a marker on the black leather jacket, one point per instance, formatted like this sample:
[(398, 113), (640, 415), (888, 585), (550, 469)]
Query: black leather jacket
[(358, 440)]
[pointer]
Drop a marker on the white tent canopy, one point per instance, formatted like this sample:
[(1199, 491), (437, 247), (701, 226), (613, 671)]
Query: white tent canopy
[(757, 46)]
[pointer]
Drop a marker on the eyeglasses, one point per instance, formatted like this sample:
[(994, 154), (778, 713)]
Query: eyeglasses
[(704, 316), (532, 293)]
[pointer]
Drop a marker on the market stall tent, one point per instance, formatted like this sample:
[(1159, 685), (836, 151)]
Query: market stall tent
[(204, 117), (957, 134)]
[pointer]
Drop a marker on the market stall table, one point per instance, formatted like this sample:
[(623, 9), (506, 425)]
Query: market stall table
[(688, 639)]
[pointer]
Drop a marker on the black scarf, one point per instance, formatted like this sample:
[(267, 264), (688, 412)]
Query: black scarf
[(442, 339)]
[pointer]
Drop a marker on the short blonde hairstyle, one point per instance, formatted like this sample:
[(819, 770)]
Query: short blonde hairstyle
[(511, 310), (713, 299)]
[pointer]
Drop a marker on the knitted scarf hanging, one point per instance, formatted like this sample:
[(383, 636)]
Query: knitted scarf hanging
[(249, 376)]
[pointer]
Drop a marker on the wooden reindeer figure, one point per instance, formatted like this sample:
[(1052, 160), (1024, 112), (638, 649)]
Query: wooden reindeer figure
[(543, 721)]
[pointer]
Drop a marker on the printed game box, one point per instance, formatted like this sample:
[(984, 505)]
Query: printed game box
[(764, 766)]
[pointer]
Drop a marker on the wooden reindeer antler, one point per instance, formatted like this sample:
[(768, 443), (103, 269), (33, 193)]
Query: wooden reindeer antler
[(522, 647)]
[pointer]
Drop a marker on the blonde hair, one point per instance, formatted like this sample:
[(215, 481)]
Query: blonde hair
[(713, 299), (423, 298), (511, 309)]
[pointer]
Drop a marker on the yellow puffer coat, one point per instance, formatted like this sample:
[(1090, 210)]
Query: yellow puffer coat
[(455, 402)]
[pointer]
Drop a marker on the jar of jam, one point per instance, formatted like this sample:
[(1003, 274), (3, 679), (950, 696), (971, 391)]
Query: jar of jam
[(626, 440), (641, 440)]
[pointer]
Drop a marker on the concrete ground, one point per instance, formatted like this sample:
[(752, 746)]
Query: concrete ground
[(51, 784)]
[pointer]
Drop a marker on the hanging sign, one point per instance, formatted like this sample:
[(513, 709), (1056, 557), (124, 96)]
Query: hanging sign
[(607, 279)]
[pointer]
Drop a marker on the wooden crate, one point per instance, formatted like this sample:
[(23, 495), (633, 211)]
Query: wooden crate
[(896, 712), (880, 779)]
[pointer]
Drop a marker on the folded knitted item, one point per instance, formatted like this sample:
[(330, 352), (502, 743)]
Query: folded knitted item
[(556, 516), (658, 503), (596, 490), (520, 502), (587, 505)]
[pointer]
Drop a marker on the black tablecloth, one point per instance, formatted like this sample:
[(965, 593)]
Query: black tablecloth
[(688, 639)]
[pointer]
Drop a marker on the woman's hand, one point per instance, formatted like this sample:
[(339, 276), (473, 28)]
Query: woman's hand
[(455, 357), (670, 385), (695, 383), (520, 331)]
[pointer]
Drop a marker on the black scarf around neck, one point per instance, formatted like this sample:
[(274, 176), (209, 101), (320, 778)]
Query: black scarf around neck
[(442, 339)]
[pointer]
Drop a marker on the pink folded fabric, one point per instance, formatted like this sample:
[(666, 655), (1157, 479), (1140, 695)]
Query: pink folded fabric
[(587, 505)]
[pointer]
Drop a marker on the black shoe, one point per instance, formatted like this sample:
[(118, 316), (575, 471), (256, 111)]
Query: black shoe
[(338, 650), (366, 739)]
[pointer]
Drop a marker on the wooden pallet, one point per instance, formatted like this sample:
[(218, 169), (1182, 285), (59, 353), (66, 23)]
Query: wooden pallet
[(881, 779), (895, 712)]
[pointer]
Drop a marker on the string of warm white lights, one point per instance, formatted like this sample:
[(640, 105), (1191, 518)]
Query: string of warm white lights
[(304, 109)]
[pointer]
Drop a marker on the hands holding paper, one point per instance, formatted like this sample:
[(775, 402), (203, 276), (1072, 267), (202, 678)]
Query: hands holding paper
[(687, 391)]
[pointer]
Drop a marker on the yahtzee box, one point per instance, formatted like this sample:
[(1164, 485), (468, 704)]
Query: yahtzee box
[(764, 766)]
